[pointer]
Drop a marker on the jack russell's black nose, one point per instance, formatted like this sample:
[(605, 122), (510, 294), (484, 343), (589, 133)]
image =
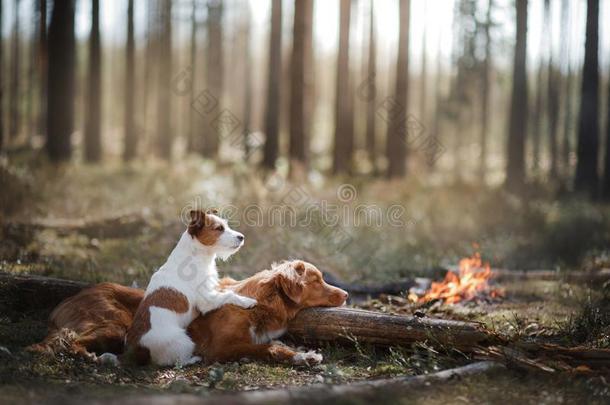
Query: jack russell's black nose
[(240, 238)]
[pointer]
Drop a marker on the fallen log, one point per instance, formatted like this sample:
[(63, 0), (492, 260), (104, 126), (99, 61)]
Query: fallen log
[(383, 389), (109, 227), (349, 324), (20, 293)]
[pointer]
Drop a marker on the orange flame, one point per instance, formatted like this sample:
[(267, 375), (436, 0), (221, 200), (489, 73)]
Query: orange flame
[(468, 284)]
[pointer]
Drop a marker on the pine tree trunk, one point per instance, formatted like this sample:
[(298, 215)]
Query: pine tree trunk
[(515, 169), (15, 88), (371, 137), (539, 111), (554, 95), (344, 137), (215, 58), (164, 110), (130, 136), (565, 40), (302, 32), (149, 84), (42, 65), (606, 185), (1, 83), (192, 127), (32, 67), (247, 71), (423, 102), (396, 148), (485, 95), (587, 179), (93, 142), (60, 100), (272, 112)]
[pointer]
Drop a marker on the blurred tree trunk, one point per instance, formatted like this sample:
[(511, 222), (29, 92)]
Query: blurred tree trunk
[(164, 110), (42, 64), (148, 84), (215, 68), (247, 79), (606, 181), (192, 128), (60, 100), (515, 169), (424, 73), (587, 179), (14, 119), (439, 112), (538, 113), (553, 95), (130, 136), (272, 112), (371, 138), (1, 81), (396, 148), (606, 185), (93, 142), (344, 136), (302, 31), (485, 94), (565, 39)]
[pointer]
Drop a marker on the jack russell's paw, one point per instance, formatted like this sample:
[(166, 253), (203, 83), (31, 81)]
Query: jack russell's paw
[(310, 358), (246, 302)]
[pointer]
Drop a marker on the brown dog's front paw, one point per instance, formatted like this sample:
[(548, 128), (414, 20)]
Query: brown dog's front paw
[(310, 358)]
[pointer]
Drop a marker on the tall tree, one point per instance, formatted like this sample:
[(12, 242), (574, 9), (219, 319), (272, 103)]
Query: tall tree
[(587, 179), (130, 136), (215, 66), (272, 112), (371, 137), (32, 66), (14, 119), (565, 39), (164, 111), (192, 129), (606, 184), (553, 95), (423, 102), (485, 88), (515, 169), (42, 64), (538, 115), (60, 100), (344, 136), (247, 107), (1, 81), (302, 31), (93, 141), (396, 148)]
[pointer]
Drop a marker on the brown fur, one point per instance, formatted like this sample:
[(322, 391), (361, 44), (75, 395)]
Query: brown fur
[(163, 297), (222, 335), (204, 227), (93, 321)]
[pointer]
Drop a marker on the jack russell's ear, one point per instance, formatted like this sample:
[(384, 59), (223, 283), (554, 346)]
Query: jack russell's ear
[(196, 223), (291, 286)]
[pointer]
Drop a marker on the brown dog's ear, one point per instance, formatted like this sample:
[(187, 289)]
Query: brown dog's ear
[(197, 222), (299, 267), (290, 285)]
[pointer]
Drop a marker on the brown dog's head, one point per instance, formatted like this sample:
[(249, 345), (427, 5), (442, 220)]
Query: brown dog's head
[(302, 284)]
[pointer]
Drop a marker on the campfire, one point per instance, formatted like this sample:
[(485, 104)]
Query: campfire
[(469, 283)]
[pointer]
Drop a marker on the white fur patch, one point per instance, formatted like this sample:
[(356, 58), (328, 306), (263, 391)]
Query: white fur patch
[(310, 358), (265, 337)]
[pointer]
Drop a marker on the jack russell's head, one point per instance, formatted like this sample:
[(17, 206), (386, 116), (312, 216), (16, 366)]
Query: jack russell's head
[(214, 233)]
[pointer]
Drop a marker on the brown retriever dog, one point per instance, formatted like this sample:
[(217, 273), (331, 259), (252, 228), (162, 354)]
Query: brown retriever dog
[(97, 318)]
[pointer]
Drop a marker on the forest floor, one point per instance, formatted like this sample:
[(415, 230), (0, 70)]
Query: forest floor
[(441, 226)]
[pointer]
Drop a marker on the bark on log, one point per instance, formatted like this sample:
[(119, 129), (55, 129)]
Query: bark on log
[(383, 389), (348, 324), (20, 293)]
